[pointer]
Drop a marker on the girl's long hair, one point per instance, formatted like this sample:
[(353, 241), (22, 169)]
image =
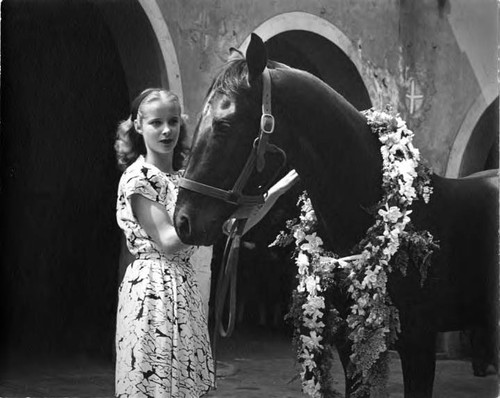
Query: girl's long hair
[(129, 144)]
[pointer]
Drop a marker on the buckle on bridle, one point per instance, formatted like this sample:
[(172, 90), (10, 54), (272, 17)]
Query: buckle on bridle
[(233, 197), (267, 123)]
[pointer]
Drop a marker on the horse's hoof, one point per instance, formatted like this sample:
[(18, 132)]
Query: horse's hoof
[(491, 370), (479, 373), (483, 370), (479, 369)]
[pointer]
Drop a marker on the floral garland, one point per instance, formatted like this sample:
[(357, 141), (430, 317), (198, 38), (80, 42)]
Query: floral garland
[(373, 321)]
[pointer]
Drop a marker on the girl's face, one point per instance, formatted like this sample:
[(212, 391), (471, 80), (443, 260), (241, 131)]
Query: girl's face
[(159, 124)]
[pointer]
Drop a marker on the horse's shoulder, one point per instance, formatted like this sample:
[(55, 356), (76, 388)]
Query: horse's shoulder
[(491, 174), (451, 195), (484, 180), (487, 179)]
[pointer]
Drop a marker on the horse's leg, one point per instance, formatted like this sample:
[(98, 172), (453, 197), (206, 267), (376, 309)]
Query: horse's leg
[(262, 308), (479, 344), (344, 350), (417, 350), (276, 315), (484, 335), (241, 310), (484, 344)]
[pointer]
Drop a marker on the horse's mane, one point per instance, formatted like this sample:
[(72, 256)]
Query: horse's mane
[(233, 76)]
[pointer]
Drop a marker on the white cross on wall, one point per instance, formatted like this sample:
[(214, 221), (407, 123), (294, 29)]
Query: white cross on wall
[(412, 96)]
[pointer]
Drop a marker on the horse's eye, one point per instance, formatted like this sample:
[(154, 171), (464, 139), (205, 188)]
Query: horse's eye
[(221, 128)]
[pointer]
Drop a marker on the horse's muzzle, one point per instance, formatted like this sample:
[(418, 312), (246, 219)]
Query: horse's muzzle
[(183, 227), (196, 229)]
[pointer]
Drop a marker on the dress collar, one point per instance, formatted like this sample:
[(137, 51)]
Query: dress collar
[(142, 160)]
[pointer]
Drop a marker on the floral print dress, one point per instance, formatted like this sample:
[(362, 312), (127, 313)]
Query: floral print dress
[(162, 342)]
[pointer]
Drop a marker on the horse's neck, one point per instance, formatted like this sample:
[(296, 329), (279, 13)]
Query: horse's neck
[(330, 145)]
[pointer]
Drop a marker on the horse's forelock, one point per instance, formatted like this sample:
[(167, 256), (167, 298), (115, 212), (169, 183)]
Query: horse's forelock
[(231, 79)]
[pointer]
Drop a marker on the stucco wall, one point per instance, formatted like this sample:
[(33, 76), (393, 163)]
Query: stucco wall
[(440, 45)]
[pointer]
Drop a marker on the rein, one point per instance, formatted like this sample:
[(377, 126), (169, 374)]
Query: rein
[(256, 161)]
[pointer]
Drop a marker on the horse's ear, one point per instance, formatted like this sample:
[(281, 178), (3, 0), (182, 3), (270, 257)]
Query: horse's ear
[(234, 53), (256, 57)]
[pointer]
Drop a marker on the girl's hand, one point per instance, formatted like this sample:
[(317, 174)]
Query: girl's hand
[(278, 189), (284, 184)]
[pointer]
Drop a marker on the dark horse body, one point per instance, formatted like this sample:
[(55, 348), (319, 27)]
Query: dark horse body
[(338, 159)]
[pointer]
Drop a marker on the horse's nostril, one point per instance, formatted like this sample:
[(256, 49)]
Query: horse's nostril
[(183, 226)]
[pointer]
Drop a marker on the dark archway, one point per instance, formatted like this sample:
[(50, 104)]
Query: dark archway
[(136, 44), (481, 152), (319, 56), (69, 68)]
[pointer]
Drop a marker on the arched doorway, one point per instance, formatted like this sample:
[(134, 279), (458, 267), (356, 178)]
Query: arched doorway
[(481, 152), (69, 69)]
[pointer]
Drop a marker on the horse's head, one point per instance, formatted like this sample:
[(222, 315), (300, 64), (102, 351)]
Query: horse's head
[(223, 142)]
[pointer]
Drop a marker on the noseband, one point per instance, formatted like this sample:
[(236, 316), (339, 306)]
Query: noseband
[(256, 159)]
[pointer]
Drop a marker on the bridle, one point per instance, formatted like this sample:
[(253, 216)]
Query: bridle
[(256, 161)]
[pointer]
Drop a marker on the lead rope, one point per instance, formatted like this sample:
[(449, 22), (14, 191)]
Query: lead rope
[(227, 280)]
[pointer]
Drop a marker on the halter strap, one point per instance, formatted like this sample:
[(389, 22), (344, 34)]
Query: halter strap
[(230, 196), (256, 158), (266, 120)]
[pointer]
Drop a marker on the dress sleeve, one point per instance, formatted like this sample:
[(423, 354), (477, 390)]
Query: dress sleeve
[(142, 185)]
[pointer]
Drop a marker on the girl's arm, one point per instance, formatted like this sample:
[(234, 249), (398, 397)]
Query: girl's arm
[(155, 220)]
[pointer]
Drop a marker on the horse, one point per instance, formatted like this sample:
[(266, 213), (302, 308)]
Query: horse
[(337, 157)]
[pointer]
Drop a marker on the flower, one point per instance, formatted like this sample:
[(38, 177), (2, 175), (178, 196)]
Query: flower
[(312, 284), (313, 304), (313, 244), (302, 262), (370, 278), (312, 341), (299, 235), (391, 214)]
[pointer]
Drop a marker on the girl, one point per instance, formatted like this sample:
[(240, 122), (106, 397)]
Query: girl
[(162, 342)]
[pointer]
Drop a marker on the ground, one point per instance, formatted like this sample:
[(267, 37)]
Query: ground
[(255, 363)]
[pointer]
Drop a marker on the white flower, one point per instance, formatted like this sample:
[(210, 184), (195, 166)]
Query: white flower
[(302, 262), (391, 139), (312, 284), (369, 279), (313, 305), (301, 288), (313, 324), (407, 191), (309, 216), (391, 214), (312, 341), (314, 244), (406, 167), (311, 387), (363, 301), (307, 360), (426, 194), (299, 235)]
